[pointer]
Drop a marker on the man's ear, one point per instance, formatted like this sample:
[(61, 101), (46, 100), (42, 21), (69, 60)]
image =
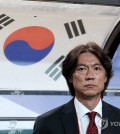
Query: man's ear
[(105, 77), (70, 79)]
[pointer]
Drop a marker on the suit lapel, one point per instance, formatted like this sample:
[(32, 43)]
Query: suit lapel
[(69, 118)]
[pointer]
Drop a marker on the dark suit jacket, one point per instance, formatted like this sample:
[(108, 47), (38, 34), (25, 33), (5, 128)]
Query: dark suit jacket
[(63, 120)]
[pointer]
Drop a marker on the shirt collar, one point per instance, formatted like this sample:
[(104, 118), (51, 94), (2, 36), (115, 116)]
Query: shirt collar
[(82, 110)]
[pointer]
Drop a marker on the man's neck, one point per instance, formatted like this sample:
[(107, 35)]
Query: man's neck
[(89, 103)]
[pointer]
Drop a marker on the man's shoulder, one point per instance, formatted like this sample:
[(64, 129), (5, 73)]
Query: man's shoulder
[(51, 120), (110, 109), (53, 113), (110, 106)]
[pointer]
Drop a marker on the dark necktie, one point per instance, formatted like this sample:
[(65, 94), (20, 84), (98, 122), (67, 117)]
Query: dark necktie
[(92, 128)]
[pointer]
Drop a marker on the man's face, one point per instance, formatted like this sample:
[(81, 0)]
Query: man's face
[(89, 76)]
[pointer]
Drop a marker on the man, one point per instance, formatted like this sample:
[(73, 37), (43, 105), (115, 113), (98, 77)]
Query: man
[(87, 70)]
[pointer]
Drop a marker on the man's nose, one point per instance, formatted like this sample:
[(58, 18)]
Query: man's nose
[(90, 75)]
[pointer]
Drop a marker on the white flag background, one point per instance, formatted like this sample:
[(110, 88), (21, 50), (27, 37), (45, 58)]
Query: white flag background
[(83, 27)]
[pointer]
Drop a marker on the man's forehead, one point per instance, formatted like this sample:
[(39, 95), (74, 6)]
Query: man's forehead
[(88, 57)]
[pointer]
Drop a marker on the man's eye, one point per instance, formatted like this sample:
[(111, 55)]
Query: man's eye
[(81, 69), (97, 68)]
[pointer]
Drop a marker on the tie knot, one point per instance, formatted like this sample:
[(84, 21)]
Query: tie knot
[(91, 115)]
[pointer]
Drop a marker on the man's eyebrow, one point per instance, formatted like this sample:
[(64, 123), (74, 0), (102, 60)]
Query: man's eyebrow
[(81, 64), (97, 64)]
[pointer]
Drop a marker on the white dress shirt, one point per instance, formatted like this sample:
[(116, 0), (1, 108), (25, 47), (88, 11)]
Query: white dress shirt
[(83, 119)]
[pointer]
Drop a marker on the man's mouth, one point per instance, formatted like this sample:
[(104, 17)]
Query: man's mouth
[(90, 85)]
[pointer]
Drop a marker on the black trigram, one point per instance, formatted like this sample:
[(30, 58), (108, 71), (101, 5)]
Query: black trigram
[(5, 20), (74, 28), (54, 71)]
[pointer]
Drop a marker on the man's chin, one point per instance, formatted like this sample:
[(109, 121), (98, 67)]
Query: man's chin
[(91, 94)]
